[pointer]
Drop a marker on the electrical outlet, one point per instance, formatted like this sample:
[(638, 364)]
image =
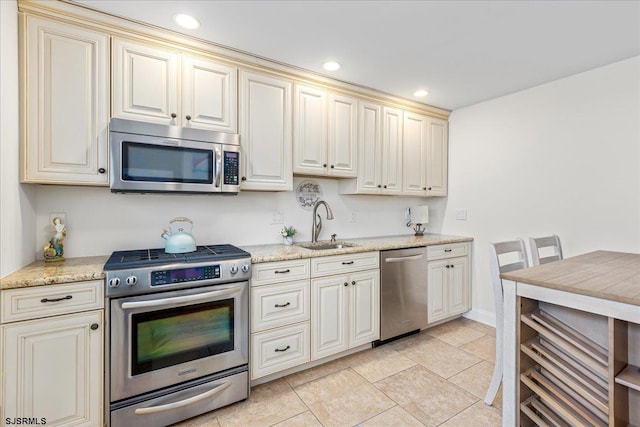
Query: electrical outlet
[(277, 217), (61, 215), (461, 214), (354, 216)]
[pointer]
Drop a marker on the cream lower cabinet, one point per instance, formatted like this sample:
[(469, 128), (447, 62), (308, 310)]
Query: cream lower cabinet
[(65, 110), (280, 329), (53, 365), (345, 308), (448, 281), (265, 132)]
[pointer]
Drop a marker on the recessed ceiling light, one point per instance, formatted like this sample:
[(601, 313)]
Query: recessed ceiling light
[(331, 66), (186, 21), (420, 93)]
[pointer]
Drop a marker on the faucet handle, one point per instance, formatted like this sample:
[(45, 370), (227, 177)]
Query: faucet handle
[(333, 237)]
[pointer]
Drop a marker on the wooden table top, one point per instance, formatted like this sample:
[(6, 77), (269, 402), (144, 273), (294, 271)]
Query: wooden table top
[(602, 274)]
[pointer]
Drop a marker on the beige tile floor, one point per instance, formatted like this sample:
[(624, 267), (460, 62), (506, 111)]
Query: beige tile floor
[(436, 378)]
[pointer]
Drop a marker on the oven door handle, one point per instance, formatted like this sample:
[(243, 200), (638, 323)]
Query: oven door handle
[(185, 402), (179, 300)]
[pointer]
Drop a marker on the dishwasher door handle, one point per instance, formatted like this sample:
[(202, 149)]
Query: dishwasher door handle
[(404, 258)]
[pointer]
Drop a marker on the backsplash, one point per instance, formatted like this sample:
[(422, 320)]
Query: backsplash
[(99, 222)]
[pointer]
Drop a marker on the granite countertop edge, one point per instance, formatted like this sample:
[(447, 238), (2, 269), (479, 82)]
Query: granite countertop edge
[(71, 270)]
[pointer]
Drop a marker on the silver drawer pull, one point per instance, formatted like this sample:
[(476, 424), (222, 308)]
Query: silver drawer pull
[(43, 300), (347, 262), (283, 349), (282, 305), (282, 271)]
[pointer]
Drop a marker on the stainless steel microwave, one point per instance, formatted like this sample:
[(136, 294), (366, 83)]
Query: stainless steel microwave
[(149, 157)]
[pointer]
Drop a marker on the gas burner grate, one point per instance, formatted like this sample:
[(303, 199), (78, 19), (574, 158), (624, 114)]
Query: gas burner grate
[(148, 257)]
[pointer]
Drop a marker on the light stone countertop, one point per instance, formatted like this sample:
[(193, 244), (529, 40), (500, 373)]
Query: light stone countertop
[(71, 270), (277, 252), (40, 273)]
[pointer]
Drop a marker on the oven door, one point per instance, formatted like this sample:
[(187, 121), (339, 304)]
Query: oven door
[(162, 339)]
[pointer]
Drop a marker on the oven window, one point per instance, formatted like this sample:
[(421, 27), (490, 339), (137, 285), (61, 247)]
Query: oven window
[(169, 337), (147, 162)]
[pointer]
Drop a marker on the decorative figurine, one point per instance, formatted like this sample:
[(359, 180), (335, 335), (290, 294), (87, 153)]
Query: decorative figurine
[(54, 250)]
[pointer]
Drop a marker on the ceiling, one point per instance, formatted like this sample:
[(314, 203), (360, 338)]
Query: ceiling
[(462, 52)]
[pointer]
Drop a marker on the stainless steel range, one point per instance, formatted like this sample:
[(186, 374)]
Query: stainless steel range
[(178, 341)]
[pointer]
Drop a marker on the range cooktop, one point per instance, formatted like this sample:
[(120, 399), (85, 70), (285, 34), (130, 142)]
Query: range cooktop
[(121, 260)]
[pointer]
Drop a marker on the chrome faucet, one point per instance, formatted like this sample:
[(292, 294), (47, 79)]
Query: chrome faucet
[(316, 227)]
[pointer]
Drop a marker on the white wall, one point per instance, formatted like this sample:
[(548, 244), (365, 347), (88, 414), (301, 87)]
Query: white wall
[(562, 158), (99, 222), (17, 201)]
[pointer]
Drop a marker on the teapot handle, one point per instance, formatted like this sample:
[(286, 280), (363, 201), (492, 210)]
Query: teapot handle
[(181, 219)]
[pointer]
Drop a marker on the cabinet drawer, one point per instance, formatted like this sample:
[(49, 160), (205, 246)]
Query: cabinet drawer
[(338, 264), (279, 305), (278, 272), (33, 303), (447, 251), (279, 349)]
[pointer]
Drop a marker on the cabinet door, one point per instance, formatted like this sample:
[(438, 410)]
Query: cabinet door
[(369, 148), (437, 147), (145, 82), (458, 285), (56, 369), (437, 293), (265, 132), (364, 308), (310, 130), (343, 146), (65, 84), (328, 316), (391, 150), (209, 95), (414, 154)]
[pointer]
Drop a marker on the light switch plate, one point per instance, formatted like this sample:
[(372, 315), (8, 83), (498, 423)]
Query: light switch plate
[(277, 217), (461, 214)]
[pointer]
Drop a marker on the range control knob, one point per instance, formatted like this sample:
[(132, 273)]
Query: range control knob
[(114, 283), (233, 269), (245, 268), (131, 280)]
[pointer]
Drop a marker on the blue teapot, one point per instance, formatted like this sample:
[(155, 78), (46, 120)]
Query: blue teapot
[(179, 241)]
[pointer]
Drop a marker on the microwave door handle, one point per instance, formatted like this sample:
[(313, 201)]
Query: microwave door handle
[(218, 166), (182, 403), (179, 300)]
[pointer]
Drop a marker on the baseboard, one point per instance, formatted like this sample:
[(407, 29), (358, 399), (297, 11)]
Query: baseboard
[(482, 316)]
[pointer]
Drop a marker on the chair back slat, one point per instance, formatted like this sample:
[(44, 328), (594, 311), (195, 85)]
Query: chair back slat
[(543, 243)]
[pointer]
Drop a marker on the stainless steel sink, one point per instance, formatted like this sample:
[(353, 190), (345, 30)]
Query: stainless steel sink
[(322, 246)]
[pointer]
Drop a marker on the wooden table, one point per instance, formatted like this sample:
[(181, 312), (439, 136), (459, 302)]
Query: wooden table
[(572, 335)]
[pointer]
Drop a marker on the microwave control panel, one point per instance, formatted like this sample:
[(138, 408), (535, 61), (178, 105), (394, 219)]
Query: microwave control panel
[(231, 167), (179, 275)]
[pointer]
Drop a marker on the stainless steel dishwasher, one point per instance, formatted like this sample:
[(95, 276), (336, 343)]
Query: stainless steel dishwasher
[(403, 292)]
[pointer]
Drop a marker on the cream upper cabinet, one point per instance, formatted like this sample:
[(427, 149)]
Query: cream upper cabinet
[(209, 98), (437, 157), (310, 130), (157, 84), (324, 128), (414, 154), (392, 120), (369, 148), (265, 132), (145, 82), (65, 110)]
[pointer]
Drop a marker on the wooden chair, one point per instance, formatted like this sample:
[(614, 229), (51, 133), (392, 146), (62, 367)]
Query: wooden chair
[(514, 257), (538, 243)]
